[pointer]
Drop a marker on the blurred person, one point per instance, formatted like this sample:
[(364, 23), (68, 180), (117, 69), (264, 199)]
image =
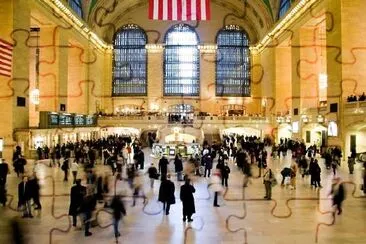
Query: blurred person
[(163, 167), (153, 175), (24, 197), (166, 194), (137, 186), (74, 170), (4, 171), (216, 186), (119, 210), (178, 166), (35, 189), (293, 175), (338, 193), (269, 181), (77, 195), (65, 168), (86, 208)]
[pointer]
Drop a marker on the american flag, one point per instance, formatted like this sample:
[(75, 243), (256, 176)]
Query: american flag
[(6, 57), (179, 10)]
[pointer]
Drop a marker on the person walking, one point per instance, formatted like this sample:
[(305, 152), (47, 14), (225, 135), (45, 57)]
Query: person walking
[(65, 168), (77, 195), (338, 194), (24, 197), (34, 189), (163, 167), (86, 208), (119, 211), (268, 180), (4, 171), (186, 196), (317, 172), (166, 194), (178, 166), (225, 174), (216, 186), (153, 175), (74, 170)]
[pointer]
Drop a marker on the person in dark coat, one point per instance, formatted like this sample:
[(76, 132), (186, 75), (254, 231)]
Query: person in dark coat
[(34, 188), (316, 174), (166, 194), (76, 199), (86, 208), (186, 196), (163, 167), (338, 194), (140, 158), (4, 171), (24, 197), (65, 168), (207, 162), (153, 175), (286, 172), (178, 166), (225, 171), (119, 210)]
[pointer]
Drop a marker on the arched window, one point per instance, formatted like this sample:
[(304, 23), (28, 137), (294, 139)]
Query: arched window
[(284, 7), (77, 7), (181, 62), (232, 62), (129, 62)]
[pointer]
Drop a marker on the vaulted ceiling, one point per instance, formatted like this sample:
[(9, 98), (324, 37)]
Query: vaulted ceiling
[(257, 16)]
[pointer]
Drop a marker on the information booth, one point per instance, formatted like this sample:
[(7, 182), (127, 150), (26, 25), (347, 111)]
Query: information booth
[(171, 149)]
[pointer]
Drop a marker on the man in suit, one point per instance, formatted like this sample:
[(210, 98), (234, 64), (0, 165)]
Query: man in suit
[(166, 193), (24, 196)]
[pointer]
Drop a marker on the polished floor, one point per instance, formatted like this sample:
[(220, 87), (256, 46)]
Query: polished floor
[(293, 216)]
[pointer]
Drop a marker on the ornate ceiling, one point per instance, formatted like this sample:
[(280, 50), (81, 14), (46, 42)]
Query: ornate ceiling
[(256, 16)]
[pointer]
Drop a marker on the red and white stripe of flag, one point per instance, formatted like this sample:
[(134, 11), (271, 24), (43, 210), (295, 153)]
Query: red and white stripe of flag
[(183, 10), (6, 58)]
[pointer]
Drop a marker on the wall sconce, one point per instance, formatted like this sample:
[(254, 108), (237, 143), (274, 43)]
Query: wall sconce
[(320, 119)]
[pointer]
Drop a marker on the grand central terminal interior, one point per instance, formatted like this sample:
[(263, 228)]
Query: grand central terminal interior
[(244, 90)]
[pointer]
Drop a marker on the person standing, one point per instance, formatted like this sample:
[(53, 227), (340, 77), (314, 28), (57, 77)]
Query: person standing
[(163, 167), (207, 161), (76, 199), (166, 194), (338, 194), (178, 166), (4, 171), (186, 196), (119, 210), (74, 170), (317, 172), (225, 174), (268, 178), (65, 168), (24, 197)]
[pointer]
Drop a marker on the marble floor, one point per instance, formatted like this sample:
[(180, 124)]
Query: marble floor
[(293, 216)]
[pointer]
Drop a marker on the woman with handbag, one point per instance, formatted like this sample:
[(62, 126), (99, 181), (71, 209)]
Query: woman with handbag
[(269, 181)]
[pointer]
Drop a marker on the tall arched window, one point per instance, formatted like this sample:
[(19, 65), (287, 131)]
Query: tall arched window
[(181, 62), (232, 62), (284, 7), (129, 62), (77, 7)]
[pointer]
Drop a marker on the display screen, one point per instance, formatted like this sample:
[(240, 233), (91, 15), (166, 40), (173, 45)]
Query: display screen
[(171, 151), (89, 120), (53, 119), (65, 119), (79, 120)]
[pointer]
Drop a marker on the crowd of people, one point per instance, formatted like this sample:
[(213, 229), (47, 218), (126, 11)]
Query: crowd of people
[(353, 98), (126, 160)]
